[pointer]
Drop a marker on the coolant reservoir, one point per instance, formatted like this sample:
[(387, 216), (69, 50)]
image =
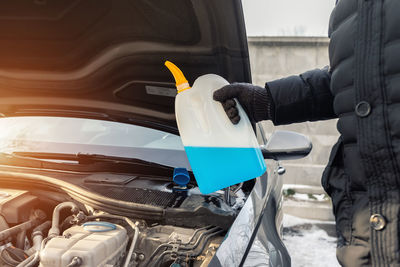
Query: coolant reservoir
[(220, 154), (96, 244)]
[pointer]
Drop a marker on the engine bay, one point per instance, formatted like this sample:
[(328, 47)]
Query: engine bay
[(50, 229)]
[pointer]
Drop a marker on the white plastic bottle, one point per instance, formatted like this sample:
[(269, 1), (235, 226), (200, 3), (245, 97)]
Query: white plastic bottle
[(220, 153)]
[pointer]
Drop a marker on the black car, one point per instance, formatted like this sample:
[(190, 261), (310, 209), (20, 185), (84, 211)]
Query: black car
[(89, 141)]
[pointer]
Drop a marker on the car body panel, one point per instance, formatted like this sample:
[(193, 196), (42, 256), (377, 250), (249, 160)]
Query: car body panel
[(254, 238)]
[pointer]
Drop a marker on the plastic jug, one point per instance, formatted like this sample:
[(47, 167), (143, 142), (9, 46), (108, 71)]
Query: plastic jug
[(220, 153)]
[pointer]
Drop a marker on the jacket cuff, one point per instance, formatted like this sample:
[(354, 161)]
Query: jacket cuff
[(263, 104)]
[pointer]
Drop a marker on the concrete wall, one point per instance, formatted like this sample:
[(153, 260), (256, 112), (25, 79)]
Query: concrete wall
[(276, 57)]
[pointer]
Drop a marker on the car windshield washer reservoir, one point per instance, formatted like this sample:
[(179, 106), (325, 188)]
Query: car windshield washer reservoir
[(220, 154)]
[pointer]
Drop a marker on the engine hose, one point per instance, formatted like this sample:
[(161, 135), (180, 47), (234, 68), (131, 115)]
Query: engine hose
[(238, 188), (194, 246), (169, 245), (34, 258), (203, 246), (186, 254), (194, 234), (191, 248), (55, 224), (30, 261), (20, 240), (42, 227), (66, 223), (132, 247), (37, 217), (37, 237)]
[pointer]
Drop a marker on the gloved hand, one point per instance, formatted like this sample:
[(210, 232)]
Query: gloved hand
[(255, 100)]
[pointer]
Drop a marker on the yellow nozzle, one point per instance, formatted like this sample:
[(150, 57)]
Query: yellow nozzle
[(181, 83)]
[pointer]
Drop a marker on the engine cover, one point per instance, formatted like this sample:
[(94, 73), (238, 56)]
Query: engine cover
[(16, 205), (95, 247)]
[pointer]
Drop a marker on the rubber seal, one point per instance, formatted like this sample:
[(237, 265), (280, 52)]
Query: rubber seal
[(98, 227)]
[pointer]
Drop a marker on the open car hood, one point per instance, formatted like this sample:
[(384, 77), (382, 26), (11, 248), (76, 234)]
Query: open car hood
[(105, 59)]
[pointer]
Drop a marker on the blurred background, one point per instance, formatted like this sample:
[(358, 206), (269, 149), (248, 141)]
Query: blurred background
[(288, 37)]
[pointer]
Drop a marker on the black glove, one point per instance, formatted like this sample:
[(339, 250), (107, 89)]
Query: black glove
[(255, 100)]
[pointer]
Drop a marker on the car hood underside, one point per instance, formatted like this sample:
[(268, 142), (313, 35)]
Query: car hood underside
[(104, 59)]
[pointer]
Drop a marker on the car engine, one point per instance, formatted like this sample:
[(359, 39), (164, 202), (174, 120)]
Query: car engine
[(36, 231)]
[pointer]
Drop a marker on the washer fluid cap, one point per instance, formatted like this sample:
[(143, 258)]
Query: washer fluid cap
[(181, 176), (96, 227)]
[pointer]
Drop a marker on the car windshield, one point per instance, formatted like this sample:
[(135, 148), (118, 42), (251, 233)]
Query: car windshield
[(77, 135)]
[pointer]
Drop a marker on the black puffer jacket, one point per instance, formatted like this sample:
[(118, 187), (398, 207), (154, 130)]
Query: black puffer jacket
[(362, 88)]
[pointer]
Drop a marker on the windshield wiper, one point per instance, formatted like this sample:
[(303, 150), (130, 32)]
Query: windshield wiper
[(84, 159)]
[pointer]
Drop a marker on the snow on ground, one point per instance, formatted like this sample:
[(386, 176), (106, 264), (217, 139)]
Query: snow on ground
[(308, 242), (309, 197)]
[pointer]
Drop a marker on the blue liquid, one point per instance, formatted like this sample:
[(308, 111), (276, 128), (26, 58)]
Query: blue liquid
[(218, 167)]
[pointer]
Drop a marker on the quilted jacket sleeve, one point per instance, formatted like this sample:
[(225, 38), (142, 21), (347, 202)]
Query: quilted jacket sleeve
[(306, 97)]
